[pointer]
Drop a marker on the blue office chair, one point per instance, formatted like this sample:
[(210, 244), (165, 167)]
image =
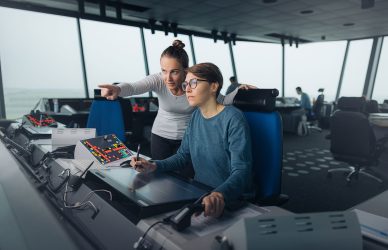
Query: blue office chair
[(107, 117), (266, 131)]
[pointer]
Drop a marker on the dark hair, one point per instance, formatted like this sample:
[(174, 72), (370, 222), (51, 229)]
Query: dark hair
[(298, 88), (208, 71), (176, 51), (232, 79)]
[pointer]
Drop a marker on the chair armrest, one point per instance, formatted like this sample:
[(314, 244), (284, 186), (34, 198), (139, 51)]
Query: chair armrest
[(382, 141), (380, 144)]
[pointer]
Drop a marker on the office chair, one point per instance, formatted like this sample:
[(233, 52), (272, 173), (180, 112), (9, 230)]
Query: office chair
[(314, 119), (354, 104), (372, 106), (258, 106), (107, 117), (353, 140)]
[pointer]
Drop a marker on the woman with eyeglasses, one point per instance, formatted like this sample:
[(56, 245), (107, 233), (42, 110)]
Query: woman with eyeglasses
[(217, 141), (174, 109)]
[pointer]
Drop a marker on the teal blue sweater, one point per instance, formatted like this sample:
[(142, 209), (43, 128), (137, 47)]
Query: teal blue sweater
[(220, 150)]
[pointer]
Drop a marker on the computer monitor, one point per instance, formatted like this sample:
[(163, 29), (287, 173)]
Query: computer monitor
[(78, 104), (105, 150)]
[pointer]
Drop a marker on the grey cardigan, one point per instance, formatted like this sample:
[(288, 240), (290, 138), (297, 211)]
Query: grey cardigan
[(174, 111)]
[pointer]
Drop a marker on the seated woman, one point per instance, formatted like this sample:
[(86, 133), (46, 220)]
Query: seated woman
[(217, 141)]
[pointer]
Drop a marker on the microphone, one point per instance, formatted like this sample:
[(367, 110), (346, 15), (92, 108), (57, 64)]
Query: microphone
[(76, 181)]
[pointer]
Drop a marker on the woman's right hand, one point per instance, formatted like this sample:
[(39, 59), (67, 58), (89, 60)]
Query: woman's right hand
[(142, 166), (110, 92)]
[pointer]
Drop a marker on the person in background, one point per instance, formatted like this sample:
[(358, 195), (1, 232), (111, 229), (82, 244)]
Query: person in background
[(174, 110), (233, 85), (217, 141), (318, 103), (305, 102)]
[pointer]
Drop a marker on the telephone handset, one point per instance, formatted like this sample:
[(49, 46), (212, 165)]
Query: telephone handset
[(182, 219)]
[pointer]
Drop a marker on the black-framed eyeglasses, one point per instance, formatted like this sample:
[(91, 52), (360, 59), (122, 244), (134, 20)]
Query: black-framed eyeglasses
[(193, 83)]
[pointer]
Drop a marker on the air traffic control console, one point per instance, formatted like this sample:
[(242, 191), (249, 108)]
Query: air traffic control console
[(105, 151), (37, 125)]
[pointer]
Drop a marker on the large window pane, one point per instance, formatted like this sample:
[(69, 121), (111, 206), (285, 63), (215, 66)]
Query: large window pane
[(380, 91), (259, 64), (313, 66), (157, 43), (113, 53), (356, 67), (40, 57), (218, 53)]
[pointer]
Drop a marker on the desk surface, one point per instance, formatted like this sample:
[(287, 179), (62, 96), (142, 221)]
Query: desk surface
[(379, 119), (38, 225), (377, 205), (194, 238)]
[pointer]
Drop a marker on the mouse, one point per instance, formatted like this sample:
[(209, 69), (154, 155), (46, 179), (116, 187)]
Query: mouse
[(126, 164)]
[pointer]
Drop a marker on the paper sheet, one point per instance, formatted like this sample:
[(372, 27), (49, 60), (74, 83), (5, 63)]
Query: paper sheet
[(70, 136), (76, 166), (202, 225)]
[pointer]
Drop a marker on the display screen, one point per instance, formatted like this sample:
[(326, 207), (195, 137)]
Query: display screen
[(107, 148), (40, 120)]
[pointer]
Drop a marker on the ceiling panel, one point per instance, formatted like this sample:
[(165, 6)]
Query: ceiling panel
[(254, 19)]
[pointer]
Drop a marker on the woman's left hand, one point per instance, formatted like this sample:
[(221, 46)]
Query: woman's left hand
[(247, 86), (214, 204)]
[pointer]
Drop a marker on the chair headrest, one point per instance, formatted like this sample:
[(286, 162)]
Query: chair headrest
[(256, 99), (372, 106), (355, 104)]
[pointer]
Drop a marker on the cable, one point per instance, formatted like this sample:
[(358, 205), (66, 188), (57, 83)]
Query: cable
[(77, 205), (53, 155), (85, 202), (140, 242), (60, 185)]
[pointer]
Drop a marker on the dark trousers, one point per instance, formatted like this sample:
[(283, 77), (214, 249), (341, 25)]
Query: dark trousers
[(162, 148)]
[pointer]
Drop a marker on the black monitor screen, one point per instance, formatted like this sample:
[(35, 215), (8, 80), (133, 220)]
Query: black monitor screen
[(149, 189), (107, 148)]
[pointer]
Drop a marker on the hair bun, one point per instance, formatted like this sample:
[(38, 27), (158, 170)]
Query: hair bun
[(178, 44)]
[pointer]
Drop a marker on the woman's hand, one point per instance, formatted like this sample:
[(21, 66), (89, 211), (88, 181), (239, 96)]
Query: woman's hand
[(142, 166), (110, 92), (214, 204), (246, 87)]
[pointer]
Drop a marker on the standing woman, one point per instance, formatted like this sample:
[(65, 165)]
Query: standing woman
[(174, 110), (217, 141)]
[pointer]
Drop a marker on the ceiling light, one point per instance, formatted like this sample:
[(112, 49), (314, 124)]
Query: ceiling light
[(233, 37), (152, 22), (174, 29), (305, 12), (270, 1), (224, 35), (214, 35), (165, 27)]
